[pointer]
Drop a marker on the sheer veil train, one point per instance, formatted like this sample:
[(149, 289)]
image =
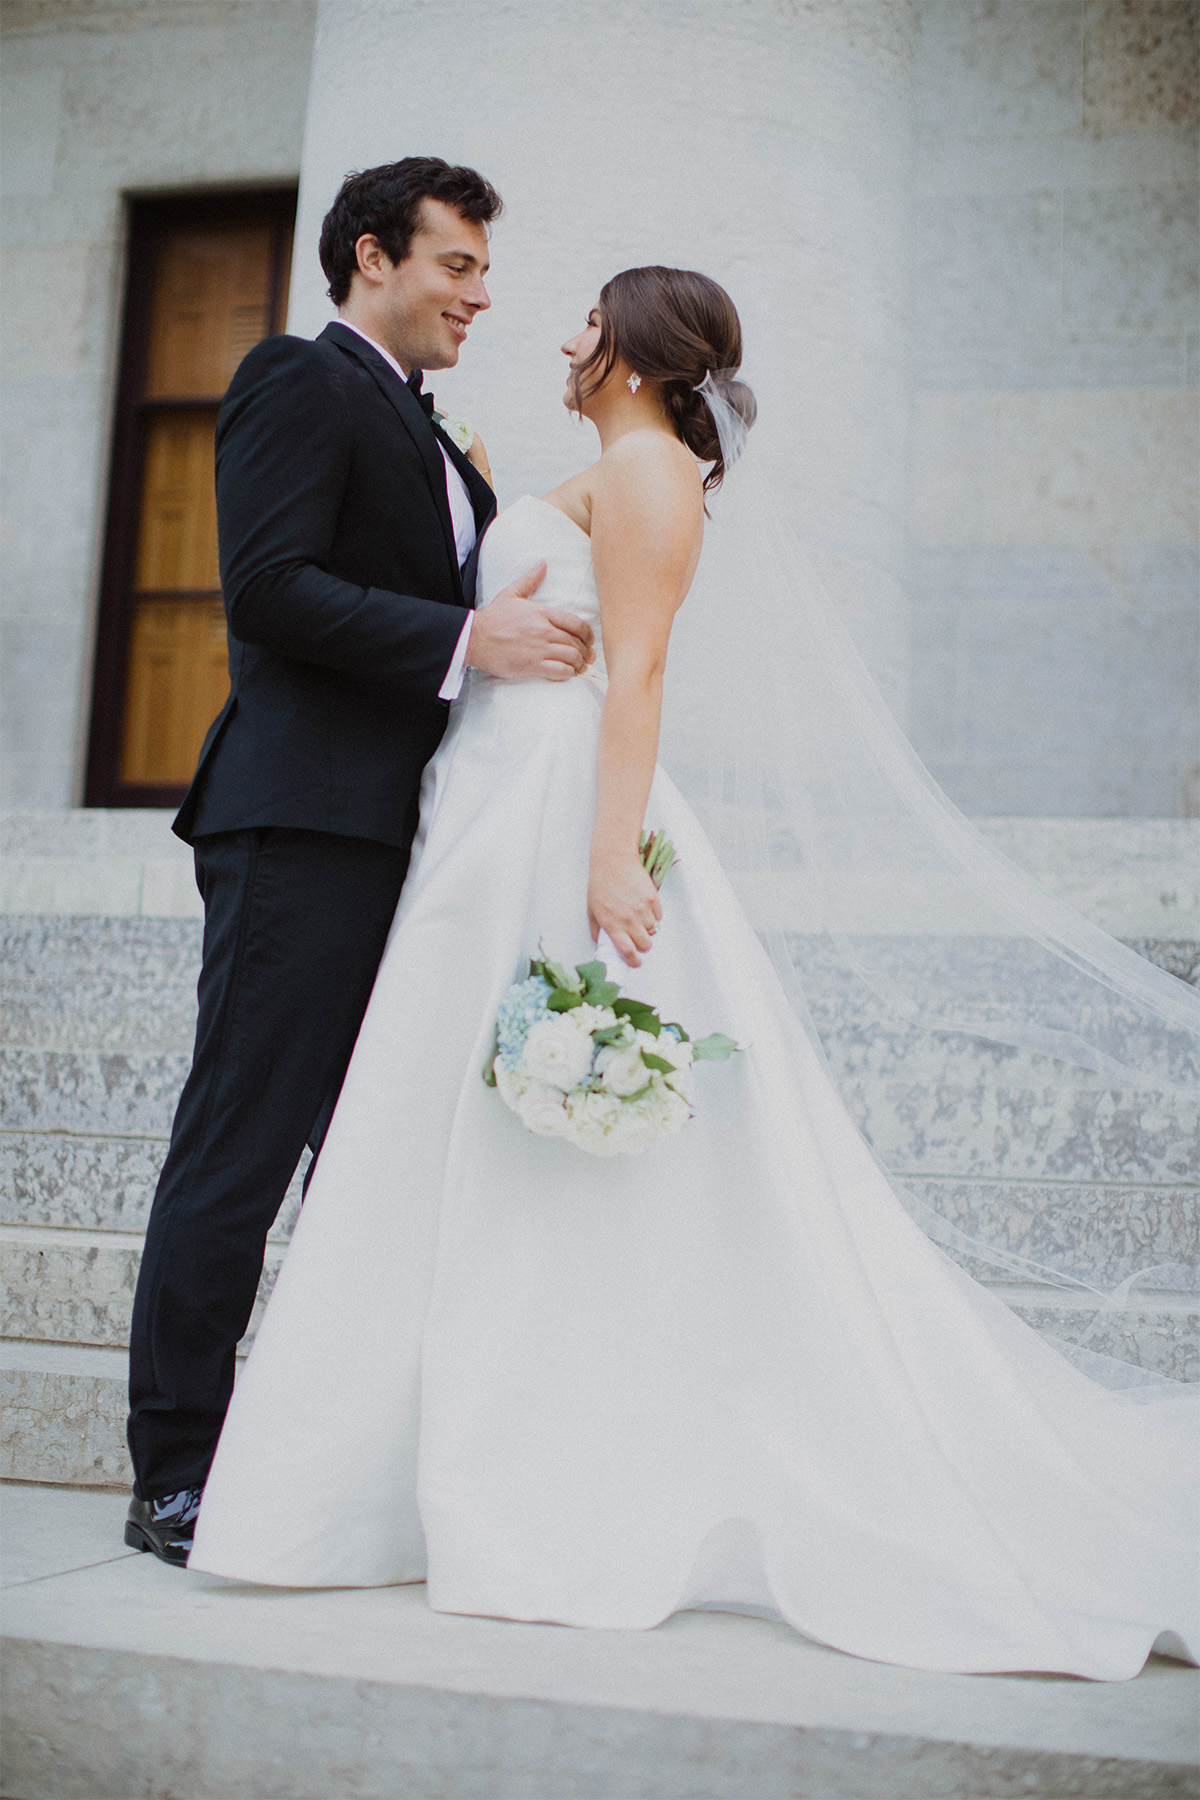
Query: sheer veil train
[(1012, 1065)]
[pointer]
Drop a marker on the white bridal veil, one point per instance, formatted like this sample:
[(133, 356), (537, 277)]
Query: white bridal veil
[(1026, 1080)]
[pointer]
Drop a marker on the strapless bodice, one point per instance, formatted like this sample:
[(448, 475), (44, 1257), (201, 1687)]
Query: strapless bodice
[(530, 531)]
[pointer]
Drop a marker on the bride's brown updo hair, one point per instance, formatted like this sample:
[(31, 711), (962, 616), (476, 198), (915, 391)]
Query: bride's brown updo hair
[(673, 327)]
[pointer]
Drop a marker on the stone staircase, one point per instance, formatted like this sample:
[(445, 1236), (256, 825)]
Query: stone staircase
[(96, 1043), (124, 1677), (101, 937), (100, 934)]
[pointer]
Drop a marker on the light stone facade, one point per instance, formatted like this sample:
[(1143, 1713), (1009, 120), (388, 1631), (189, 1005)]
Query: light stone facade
[(101, 99), (767, 144), (1054, 458), (970, 227)]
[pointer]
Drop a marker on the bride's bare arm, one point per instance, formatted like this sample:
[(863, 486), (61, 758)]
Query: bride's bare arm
[(647, 523), (479, 456)]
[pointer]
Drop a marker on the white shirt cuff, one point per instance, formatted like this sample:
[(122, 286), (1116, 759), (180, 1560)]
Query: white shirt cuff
[(451, 688)]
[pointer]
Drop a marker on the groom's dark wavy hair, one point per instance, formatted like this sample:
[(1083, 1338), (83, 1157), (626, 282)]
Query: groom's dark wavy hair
[(386, 203)]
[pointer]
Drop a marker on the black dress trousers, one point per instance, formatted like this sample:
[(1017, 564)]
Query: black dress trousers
[(295, 924)]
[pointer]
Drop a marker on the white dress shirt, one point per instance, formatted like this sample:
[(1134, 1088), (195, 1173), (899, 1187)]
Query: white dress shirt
[(462, 517)]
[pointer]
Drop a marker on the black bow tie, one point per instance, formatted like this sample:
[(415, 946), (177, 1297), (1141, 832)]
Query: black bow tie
[(414, 385)]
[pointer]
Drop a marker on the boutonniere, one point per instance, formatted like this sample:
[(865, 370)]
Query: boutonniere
[(460, 431)]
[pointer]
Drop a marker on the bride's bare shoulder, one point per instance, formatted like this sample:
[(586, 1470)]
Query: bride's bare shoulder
[(653, 467), (656, 453)]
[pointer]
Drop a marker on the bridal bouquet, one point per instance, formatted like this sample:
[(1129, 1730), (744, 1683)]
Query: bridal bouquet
[(577, 1059)]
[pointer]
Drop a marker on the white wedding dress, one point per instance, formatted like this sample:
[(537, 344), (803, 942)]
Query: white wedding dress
[(730, 1372)]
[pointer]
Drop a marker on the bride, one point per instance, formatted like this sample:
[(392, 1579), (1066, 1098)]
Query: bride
[(732, 1372)]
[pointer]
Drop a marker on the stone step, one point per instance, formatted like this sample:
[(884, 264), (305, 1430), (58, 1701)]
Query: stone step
[(1100, 1232), (76, 1287), (91, 1182), (118, 1093), (130, 982), (100, 984), (63, 1414), (873, 1050), (117, 1667), (82, 861), (101, 1183), (64, 1402), (1058, 1131), (1158, 1331)]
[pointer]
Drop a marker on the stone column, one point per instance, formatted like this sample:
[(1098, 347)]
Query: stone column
[(763, 141)]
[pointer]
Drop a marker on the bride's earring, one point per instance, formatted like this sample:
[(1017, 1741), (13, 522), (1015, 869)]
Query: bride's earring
[(634, 383)]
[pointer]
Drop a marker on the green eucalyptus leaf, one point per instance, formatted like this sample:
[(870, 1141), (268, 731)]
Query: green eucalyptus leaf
[(562, 979), (640, 1016), (716, 1047), (538, 968), (562, 1001), (603, 993), (658, 1062), (590, 973), (657, 855), (609, 1034), (489, 1074)]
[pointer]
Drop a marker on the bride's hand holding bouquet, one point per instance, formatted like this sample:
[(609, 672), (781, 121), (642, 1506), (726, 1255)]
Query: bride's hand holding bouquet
[(575, 1058), (623, 901)]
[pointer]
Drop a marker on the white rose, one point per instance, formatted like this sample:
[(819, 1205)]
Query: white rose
[(669, 1048), (538, 1107), (594, 1123), (541, 1110), (680, 1082), (594, 1018), (510, 1085), (558, 1052), (656, 1114), (621, 1069), (458, 431)]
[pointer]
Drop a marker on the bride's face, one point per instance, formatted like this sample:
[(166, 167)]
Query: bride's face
[(577, 350)]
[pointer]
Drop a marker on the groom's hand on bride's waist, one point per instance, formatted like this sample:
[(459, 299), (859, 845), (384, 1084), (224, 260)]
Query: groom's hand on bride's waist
[(515, 638)]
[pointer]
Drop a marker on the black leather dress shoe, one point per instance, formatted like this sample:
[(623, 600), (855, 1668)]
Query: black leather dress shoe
[(165, 1527)]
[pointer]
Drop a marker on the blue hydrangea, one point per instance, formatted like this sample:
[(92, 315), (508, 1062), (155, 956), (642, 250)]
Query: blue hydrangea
[(521, 1008)]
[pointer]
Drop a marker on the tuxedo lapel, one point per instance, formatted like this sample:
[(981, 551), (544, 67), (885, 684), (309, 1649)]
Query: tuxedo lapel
[(484, 502), (412, 417)]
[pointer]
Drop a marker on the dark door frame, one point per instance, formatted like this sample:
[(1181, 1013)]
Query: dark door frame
[(150, 220)]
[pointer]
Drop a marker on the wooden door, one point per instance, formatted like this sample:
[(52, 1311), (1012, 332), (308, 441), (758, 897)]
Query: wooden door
[(207, 281)]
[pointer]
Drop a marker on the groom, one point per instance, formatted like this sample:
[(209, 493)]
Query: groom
[(349, 536)]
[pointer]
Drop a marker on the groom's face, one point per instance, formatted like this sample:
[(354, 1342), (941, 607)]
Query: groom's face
[(429, 300)]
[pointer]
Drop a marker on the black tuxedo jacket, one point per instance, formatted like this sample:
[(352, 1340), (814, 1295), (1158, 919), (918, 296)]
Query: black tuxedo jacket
[(342, 593)]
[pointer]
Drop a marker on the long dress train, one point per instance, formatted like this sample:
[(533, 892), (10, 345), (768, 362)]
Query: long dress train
[(728, 1372)]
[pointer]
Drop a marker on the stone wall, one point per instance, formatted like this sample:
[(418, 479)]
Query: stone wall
[(101, 99), (1039, 403), (1054, 579), (765, 143)]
